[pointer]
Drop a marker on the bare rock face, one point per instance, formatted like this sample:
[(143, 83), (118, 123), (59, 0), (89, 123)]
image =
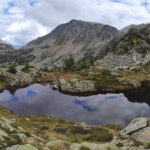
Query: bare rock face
[(108, 47), (77, 38), (102, 44)]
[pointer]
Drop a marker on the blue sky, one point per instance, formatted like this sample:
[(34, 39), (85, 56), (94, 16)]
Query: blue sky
[(24, 20)]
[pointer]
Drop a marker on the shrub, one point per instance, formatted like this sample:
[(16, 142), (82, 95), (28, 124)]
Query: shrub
[(44, 128), (119, 145), (45, 69), (137, 143), (80, 130), (83, 64), (45, 47), (84, 148), (2, 78), (27, 134), (26, 68), (147, 146), (55, 69), (106, 72), (101, 136), (60, 130), (12, 69), (69, 63)]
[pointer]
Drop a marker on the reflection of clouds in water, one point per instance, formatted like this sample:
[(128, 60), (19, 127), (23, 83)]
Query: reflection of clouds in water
[(14, 98), (31, 93), (85, 105), (96, 109), (119, 110), (5, 96)]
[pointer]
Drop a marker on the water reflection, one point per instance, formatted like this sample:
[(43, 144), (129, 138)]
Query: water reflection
[(96, 109)]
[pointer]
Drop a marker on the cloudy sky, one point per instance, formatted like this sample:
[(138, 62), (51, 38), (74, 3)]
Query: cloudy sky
[(24, 20)]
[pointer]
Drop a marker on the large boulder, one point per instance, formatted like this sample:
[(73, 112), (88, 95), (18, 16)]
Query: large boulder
[(75, 85), (136, 133), (135, 126)]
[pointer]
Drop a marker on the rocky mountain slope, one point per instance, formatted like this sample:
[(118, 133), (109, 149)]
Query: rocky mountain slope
[(5, 46), (9, 55), (105, 45), (77, 38), (130, 50)]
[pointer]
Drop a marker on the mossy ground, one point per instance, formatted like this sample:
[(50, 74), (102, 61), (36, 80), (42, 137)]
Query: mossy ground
[(52, 128), (104, 80)]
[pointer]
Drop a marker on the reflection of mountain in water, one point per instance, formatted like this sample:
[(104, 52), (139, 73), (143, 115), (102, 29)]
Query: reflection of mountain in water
[(140, 95), (96, 109)]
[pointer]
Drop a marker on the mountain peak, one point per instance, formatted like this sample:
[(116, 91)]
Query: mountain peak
[(77, 38), (76, 21)]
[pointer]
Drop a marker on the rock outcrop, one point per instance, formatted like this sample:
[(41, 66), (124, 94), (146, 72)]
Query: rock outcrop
[(74, 85), (135, 126), (135, 136), (20, 79), (129, 50)]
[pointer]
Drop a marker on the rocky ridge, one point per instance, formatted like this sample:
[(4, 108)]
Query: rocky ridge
[(130, 50)]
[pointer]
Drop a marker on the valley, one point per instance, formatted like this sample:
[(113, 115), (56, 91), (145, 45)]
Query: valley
[(87, 73)]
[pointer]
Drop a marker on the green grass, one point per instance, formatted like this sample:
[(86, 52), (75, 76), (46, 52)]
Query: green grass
[(147, 146), (84, 148)]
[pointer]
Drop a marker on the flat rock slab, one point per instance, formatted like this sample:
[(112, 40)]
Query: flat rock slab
[(93, 146), (22, 147)]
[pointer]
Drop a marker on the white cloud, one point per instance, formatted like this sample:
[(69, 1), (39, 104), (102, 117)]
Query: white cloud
[(25, 22), (20, 32)]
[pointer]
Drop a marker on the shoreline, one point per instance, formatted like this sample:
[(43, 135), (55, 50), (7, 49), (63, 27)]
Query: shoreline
[(133, 95)]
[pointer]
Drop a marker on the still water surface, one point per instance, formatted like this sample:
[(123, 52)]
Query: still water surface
[(96, 109)]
